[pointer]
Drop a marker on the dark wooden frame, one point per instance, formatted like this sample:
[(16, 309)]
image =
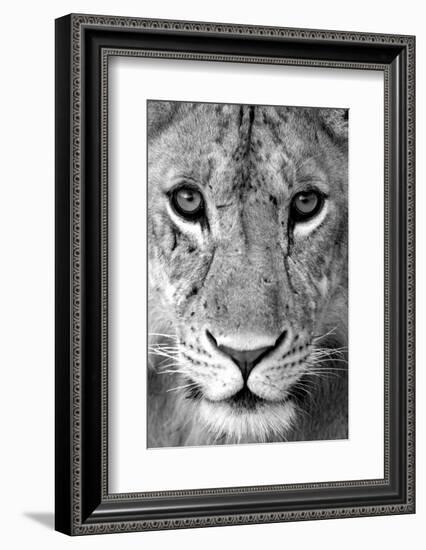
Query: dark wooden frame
[(83, 46)]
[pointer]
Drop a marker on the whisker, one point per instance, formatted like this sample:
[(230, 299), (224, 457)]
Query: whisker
[(311, 368), (329, 351), (161, 353), (306, 389), (322, 336), (320, 361), (192, 384), (174, 371), (321, 374), (162, 346), (171, 363), (171, 336)]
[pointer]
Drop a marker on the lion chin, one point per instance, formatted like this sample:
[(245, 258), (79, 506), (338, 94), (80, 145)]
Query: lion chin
[(261, 422)]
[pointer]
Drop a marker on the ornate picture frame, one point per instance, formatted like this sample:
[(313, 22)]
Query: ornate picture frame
[(84, 45)]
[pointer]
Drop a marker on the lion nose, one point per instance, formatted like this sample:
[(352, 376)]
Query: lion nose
[(246, 360)]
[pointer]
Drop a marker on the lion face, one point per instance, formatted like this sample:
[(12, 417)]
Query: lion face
[(247, 235)]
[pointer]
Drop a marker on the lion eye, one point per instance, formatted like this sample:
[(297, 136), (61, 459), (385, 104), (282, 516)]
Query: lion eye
[(188, 202), (305, 205)]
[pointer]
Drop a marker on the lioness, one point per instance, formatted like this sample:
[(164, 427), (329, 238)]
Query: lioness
[(247, 238)]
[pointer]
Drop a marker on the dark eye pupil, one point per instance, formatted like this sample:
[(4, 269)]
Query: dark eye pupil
[(187, 202), (306, 204)]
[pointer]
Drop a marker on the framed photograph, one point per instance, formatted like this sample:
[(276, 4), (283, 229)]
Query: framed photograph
[(234, 274)]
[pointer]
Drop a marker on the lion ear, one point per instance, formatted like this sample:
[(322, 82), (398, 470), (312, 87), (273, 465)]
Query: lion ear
[(160, 115), (335, 122)]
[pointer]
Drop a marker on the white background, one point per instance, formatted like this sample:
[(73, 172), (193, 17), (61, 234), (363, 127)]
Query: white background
[(132, 80), (26, 302)]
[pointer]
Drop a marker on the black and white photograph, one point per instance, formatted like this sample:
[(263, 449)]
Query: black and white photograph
[(209, 299), (234, 275), (247, 273)]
